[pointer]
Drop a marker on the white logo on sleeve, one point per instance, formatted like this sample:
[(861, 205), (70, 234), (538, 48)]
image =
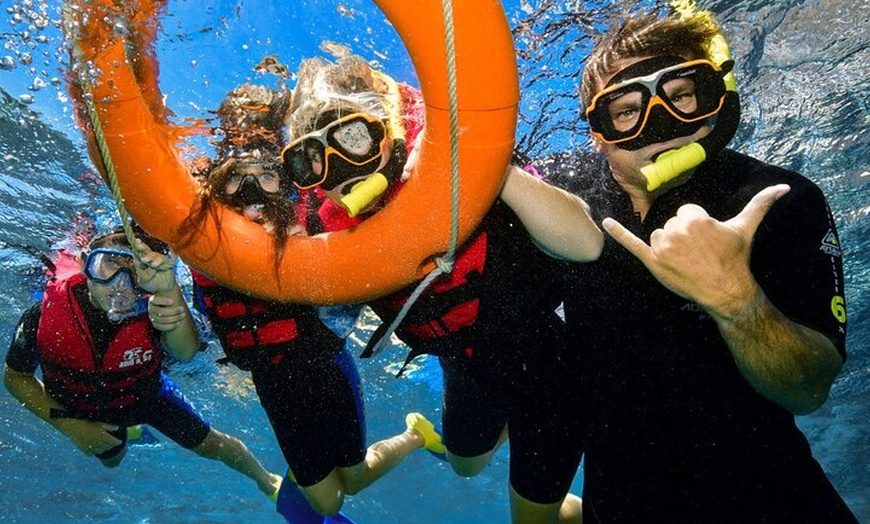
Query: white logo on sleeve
[(830, 244)]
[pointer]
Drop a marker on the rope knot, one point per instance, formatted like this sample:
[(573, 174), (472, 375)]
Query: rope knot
[(445, 264)]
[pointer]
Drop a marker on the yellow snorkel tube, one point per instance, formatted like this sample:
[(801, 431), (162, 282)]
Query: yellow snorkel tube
[(364, 193), (673, 163)]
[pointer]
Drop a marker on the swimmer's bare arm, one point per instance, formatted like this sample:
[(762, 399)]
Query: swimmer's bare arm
[(90, 437), (707, 261), (557, 220), (167, 308)]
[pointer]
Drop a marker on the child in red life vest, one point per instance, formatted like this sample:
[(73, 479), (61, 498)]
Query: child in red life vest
[(100, 348), (306, 380), (491, 322)]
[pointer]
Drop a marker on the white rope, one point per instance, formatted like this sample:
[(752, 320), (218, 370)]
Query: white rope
[(443, 265)]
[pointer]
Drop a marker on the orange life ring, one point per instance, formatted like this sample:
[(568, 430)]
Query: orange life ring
[(388, 251)]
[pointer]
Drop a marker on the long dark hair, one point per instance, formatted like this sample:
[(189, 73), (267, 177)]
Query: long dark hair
[(279, 209), (251, 119)]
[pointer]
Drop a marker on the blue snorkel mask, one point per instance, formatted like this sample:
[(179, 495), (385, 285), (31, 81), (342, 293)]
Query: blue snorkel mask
[(113, 267)]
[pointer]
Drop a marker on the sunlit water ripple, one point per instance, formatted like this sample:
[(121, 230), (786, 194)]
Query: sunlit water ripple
[(803, 80)]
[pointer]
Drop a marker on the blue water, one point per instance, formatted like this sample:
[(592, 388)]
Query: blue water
[(803, 80)]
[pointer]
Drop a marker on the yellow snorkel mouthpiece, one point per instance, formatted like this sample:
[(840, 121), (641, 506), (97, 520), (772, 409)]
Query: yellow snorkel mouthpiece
[(672, 164), (364, 193)]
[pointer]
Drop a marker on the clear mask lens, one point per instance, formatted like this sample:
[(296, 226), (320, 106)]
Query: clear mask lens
[(104, 265)]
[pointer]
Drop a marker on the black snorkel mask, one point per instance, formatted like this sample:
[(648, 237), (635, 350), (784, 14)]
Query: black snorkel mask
[(253, 181), (656, 100), (251, 193), (664, 98)]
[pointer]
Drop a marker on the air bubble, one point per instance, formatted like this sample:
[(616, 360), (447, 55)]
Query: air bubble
[(36, 85)]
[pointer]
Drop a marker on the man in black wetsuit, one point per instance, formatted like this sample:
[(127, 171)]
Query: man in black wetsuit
[(715, 313)]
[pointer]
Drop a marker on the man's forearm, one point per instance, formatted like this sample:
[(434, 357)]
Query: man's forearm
[(790, 364), (557, 220)]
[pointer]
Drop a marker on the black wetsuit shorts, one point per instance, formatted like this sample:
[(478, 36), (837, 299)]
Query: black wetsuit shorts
[(315, 408)]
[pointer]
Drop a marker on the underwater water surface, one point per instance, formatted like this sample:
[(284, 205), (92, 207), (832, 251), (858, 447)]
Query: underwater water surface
[(803, 79)]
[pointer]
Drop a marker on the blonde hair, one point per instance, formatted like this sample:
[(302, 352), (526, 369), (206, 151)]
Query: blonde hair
[(326, 91), (647, 35)]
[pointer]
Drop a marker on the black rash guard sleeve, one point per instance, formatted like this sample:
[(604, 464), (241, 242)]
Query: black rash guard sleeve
[(798, 262), (22, 355)]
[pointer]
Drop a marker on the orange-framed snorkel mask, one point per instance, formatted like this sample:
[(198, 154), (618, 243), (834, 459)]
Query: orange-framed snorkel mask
[(357, 155), (724, 121), (656, 100), (355, 142)]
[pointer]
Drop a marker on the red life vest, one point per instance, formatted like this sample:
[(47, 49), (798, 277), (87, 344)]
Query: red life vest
[(254, 327), (450, 303), (73, 375), (252, 330)]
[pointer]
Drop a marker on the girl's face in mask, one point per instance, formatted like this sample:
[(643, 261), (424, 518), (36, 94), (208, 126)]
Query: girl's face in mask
[(252, 188), (249, 186)]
